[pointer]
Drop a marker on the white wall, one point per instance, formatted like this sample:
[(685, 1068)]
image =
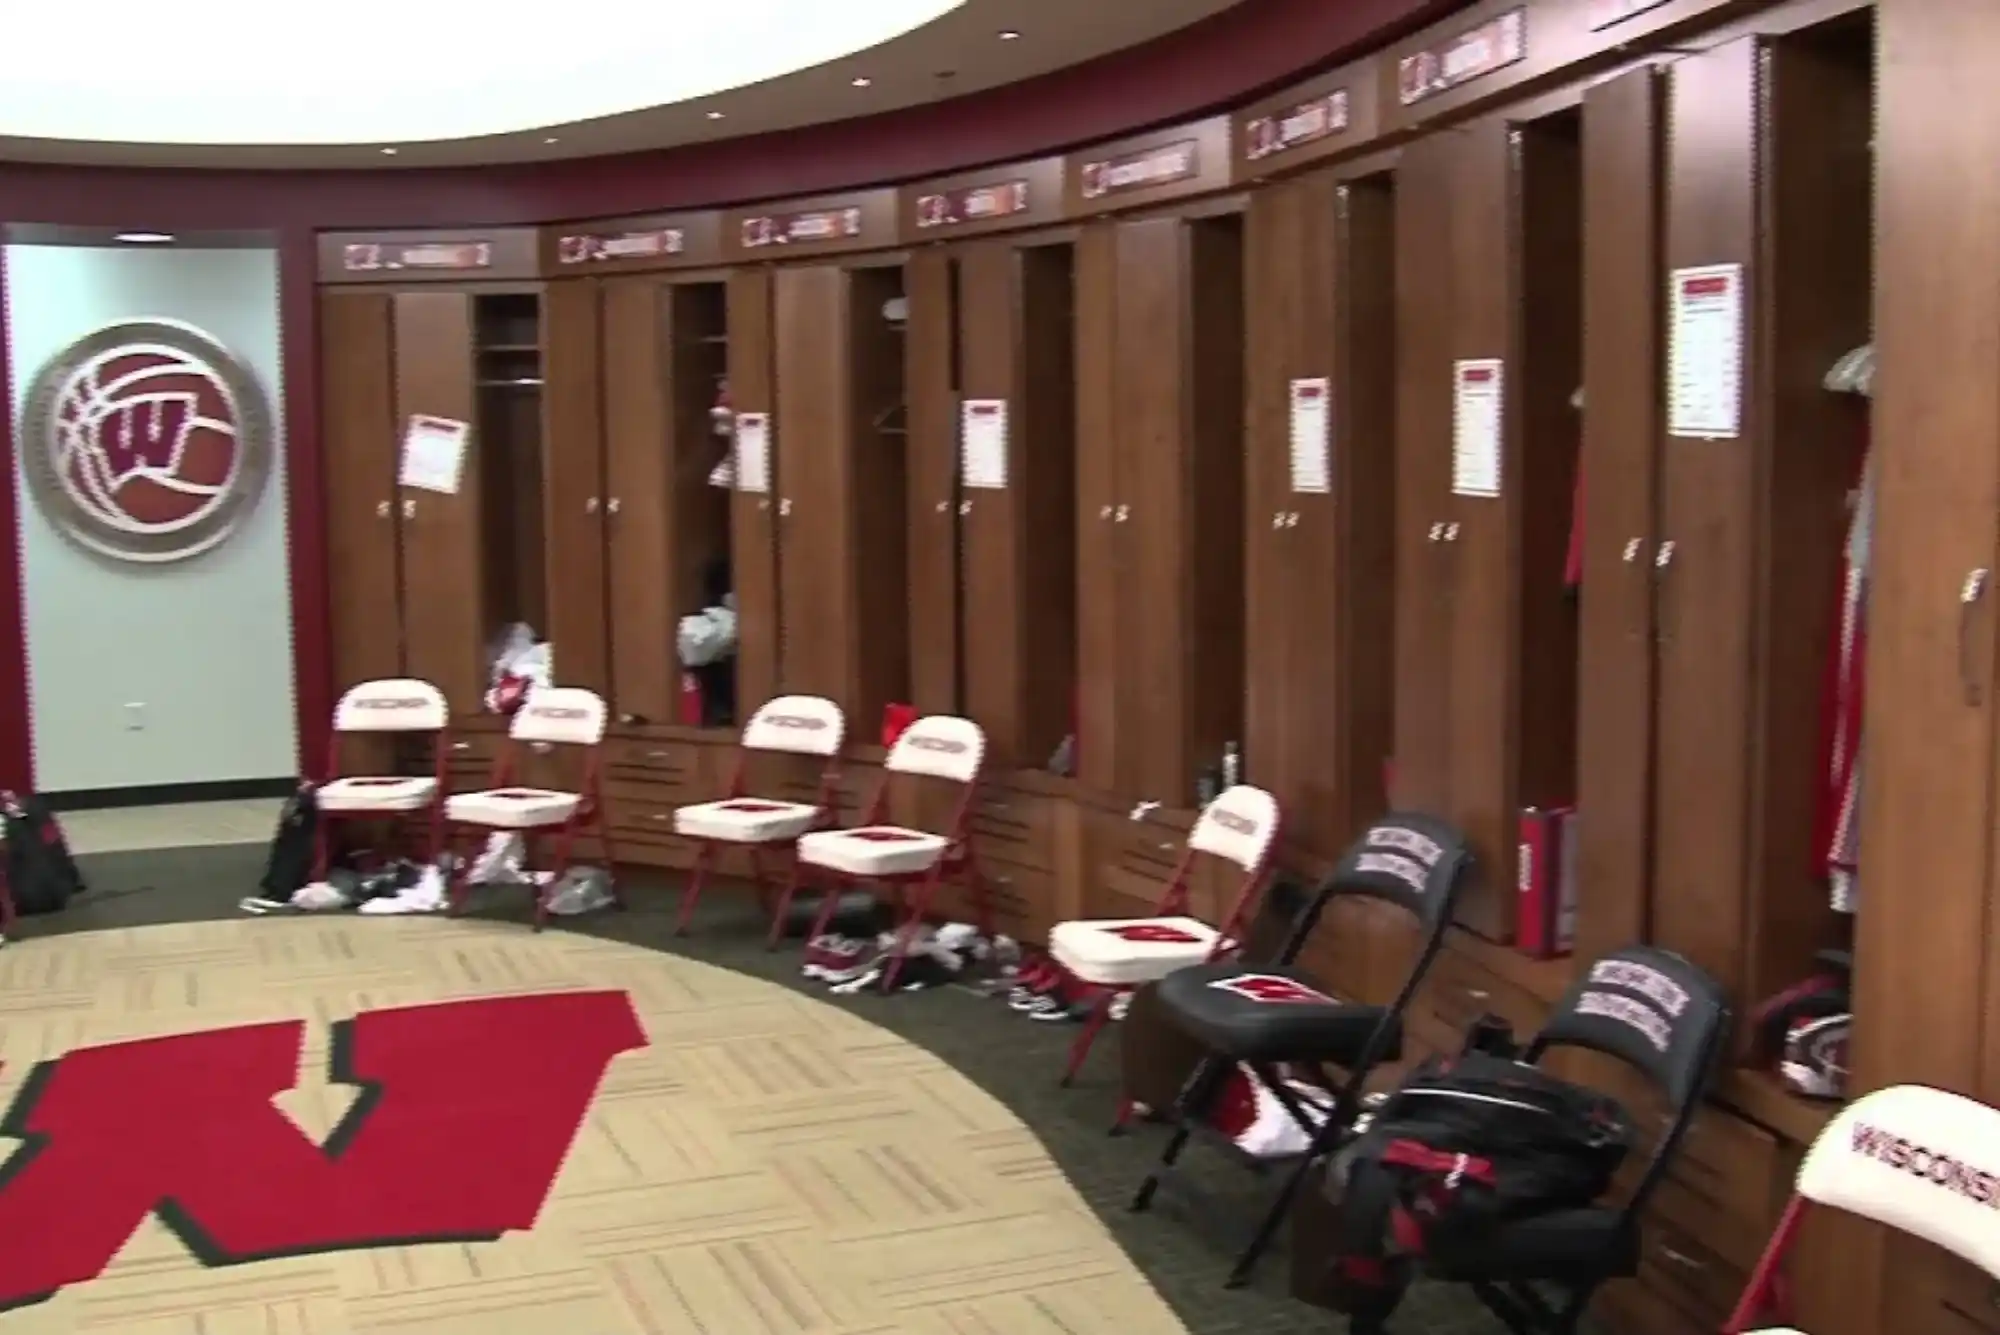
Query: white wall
[(204, 645)]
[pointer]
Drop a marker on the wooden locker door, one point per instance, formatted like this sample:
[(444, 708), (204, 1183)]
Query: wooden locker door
[(443, 565), (1485, 652), (1706, 562), (1345, 640), (934, 521), (815, 490), (1274, 225), (573, 492), (1101, 596), (753, 518), (1424, 278), (1927, 816), (993, 529), (358, 425), (1624, 362), (645, 460), (1153, 299)]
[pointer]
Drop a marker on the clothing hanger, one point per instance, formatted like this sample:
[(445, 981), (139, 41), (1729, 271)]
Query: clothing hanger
[(1854, 373)]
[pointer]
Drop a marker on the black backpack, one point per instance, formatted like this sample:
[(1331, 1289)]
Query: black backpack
[(290, 864), (1466, 1145), (41, 874)]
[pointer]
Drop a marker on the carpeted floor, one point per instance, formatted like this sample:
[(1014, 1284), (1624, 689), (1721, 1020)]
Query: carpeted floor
[(1012, 1059)]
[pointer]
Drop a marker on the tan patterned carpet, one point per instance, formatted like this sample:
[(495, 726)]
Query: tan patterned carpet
[(766, 1165)]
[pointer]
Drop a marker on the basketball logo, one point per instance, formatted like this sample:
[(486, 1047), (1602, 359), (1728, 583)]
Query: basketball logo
[(146, 441)]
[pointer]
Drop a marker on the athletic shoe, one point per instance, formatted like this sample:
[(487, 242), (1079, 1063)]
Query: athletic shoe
[(1049, 1006), (831, 956), (1120, 1006), (1032, 983)]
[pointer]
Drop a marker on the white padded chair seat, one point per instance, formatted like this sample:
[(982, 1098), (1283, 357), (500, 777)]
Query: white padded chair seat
[(873, 850), (1777, 1330), (364, 793), (1125, 952), (746, 820), (512, 808)]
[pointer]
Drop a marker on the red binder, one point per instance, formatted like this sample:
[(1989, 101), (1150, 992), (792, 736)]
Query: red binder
[(1545, 917)]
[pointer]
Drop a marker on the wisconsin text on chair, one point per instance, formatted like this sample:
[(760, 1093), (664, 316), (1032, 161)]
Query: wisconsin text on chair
[(553, 716), (913, 863), (1114, 955), (804, 725), (392, 705)]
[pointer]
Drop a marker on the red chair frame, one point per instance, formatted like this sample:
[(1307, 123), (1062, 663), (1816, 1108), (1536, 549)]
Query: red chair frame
[(1904, 1157), (827, 800), (1173, 903), (559, 705), (912, 891), (394, 694)]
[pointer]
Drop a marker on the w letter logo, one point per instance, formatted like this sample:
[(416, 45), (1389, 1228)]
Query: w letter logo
[(465, 1115)]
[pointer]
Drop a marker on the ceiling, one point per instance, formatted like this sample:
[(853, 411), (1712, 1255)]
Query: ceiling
[(974, 45)]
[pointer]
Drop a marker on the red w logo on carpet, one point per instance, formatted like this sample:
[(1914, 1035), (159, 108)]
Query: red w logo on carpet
[(465, 1114)]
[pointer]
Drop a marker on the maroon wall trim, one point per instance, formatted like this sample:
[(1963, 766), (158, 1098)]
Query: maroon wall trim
[(17, 746), (1240, 53), (305, 490), (1251, 49)]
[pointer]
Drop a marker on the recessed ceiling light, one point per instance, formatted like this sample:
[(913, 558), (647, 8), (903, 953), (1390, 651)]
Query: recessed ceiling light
[(144, 238), (863, 81), (1009, 35), (715, 115), (388, 152), (552, 139)]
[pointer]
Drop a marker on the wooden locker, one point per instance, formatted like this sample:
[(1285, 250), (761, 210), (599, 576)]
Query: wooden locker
[(813, 445), (1020, 624), (644, 468), (875, 492), (1623, 364), (1278, 220), (934, 573), (575, 515), (1424, 274), (1319, 587), (1767, 169), (363, 527), (444, 574), (753, 518), (1103, 597)]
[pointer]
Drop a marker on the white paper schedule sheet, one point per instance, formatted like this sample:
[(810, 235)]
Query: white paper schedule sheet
[(434, 453), (1312, 428), (753, 452), (1705, 352), (982, 444), (1478, 398)]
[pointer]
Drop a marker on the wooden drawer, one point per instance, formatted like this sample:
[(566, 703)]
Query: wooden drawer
[(1023, 901), (1129, 868), (1458, 991), (1680, 1269), (646, 761), (1965, 1299), (1725, 1186), (1016, 830)]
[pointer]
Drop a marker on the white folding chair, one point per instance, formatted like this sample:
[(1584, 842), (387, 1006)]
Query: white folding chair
[(389, 705), (1923, 1161), (1109, 956), (804, 725), (913, 863), (551, 716)]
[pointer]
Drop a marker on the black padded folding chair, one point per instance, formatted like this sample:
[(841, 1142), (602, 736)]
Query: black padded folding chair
[(1268, 1016), (1658, 1014)]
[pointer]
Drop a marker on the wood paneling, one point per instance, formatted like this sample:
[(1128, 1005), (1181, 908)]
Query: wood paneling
[(814, 445), (935, 578), (642, 458), (1623, 200), (444, 575), (573, 487), (1102, 611), (753, 518), (357, 385)]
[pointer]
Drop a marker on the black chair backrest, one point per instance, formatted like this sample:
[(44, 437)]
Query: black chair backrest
[(1651, 1009), (1660, 1015), (1416, 862)]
